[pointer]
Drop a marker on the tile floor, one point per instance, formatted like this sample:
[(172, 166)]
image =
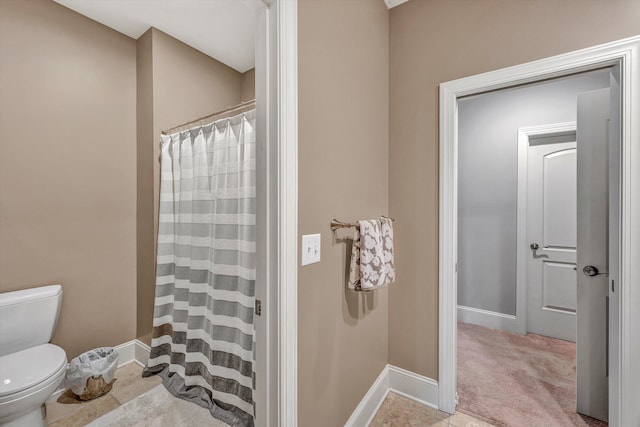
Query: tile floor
[(398, 411), (395, 411), (68, 411)]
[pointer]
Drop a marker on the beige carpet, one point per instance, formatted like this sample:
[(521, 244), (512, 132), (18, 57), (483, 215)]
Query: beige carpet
[(157, 408), (513, 380)]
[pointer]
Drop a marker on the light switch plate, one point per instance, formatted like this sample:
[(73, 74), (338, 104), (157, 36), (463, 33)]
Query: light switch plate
[(310, 249)]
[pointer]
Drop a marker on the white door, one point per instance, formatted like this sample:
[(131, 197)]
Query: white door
[(593, 253), (551, 233), (614, 230)]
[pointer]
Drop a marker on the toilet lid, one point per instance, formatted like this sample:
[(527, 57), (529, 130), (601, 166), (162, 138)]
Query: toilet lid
[(26, 368)]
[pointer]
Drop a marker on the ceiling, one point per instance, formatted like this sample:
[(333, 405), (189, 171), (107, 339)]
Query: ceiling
[(222, 29), (393, 3)]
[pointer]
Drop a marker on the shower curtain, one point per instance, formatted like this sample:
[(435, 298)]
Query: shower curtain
[(203, 332)]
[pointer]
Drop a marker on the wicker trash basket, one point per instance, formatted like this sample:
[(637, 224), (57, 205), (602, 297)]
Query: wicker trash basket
[(95, 387), (91, 374)]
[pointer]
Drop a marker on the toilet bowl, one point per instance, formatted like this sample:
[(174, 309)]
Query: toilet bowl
[(31, 369)]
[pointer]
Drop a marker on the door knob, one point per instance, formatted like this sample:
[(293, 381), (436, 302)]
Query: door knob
[(591, 271), (534, 246)]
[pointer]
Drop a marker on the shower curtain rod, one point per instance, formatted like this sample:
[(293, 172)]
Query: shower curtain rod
[(211, 116)]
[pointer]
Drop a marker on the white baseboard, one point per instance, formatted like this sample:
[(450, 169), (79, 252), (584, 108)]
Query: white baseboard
[(132, 351), (416, 387), (370, 403), (127, 352), (141, 353), (488, 319)]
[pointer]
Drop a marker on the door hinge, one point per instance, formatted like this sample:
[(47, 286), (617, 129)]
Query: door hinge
[(258, 307), (613, 286)]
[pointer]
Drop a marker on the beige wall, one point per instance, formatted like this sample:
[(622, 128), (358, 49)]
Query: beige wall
[(186, 84), (146, 162), (436, 41), (75, 97), (68, 168), (248, 85), (343, 173)]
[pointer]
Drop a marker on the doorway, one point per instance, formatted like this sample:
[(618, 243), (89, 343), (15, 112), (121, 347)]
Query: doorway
[(517, 186), (623, 320)]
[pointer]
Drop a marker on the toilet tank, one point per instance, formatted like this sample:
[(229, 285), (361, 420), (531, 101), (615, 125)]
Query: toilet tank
[(28, 317)]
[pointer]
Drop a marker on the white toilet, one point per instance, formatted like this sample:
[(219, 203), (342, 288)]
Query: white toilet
[(31, 369)]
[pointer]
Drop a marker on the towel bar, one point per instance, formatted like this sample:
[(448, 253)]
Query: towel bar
[(335, 224)]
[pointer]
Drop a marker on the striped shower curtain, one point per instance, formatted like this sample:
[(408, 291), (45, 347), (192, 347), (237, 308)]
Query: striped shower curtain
[(203, 332)]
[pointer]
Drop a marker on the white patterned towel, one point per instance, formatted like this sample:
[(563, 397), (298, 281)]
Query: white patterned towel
[(372, 255)]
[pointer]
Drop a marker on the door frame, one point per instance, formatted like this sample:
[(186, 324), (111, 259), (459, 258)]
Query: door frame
[(626, 54), (524, 136), (277, 230)]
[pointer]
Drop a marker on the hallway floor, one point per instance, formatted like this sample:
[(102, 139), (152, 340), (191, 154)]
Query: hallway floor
[(513, 380)]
